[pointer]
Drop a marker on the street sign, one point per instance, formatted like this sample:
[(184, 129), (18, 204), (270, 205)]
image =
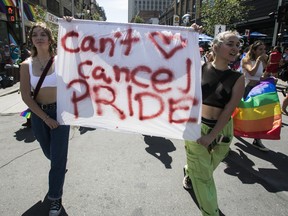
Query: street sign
[(176, 20), (219, 29), (52, 18)]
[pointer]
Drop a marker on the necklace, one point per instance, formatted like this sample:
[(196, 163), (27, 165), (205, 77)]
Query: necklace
[(42, 65)]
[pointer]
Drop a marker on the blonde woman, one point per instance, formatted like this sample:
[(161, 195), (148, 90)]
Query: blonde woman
[(222, 90)]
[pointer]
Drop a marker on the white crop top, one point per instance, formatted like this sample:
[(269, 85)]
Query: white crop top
[(256, 76), (49, 81)]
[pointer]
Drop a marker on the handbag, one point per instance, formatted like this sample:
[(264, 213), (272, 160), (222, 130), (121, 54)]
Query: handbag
[(27, 113)]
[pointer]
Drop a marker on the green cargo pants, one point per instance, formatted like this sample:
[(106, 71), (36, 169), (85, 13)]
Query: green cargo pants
[(200, 166)]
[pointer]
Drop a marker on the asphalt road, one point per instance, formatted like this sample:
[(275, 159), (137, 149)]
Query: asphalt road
[(122, 174)]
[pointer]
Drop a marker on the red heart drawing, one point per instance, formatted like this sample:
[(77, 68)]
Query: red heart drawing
[(166, 40)]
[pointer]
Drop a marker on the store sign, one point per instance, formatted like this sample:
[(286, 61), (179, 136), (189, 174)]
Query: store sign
[(52, 18)]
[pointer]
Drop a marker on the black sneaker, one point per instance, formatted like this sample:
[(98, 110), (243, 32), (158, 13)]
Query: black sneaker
[(257, 143), (27, 124), (55, 207), (187, 184)]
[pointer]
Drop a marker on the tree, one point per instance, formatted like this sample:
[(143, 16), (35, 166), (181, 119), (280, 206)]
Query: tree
[(224, 12), (138, 19), (40, 16)]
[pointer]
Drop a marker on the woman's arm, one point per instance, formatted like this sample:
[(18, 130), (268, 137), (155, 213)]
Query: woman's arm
[(237, 94), (247, 65)]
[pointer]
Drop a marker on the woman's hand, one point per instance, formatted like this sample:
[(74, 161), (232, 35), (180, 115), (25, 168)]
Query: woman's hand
[(197, 28), (68, 18), (51, 123), (205, 140)]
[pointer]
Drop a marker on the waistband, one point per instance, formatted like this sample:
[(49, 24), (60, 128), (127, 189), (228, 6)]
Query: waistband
[(51, 106), (209, 122)]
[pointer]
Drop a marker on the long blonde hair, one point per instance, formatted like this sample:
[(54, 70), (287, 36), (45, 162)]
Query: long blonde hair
[(50, 37)]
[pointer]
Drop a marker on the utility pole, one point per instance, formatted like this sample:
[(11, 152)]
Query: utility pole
[(276, 26), (22, 22), (73, 9)]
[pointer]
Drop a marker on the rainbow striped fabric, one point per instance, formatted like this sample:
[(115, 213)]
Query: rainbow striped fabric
[(259, 115), (26, 113)]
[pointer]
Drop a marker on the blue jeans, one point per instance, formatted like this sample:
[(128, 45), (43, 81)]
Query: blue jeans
[(54, 144)]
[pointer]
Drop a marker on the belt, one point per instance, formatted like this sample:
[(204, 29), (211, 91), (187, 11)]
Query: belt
[(47, 106)]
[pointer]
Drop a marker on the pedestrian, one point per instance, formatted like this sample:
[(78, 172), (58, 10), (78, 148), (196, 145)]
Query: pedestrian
[(222, 90), (14, 52), (53, 138), (273, 62), (253, 65), (285, 56), (7, 55), (25, 52)]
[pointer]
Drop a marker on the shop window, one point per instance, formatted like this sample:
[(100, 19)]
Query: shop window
[(53, 6)]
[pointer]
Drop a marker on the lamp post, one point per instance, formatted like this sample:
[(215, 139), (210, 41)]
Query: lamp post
[(22, 22), (73, 9), (276, 26)]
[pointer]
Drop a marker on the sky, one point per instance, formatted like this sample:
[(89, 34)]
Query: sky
[(116, 10)]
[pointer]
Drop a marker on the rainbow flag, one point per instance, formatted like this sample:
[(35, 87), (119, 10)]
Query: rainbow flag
[(259, 115), (26, 113)]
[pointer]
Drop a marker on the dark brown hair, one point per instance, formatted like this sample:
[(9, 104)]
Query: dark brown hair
[(50, 37)]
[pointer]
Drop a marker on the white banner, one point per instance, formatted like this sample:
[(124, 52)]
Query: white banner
[(129, 77)]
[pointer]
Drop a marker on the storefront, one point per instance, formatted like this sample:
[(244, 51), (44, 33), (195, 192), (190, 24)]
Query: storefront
[(11, 32)]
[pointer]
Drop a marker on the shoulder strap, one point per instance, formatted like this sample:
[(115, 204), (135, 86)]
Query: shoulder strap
[(43, 75)]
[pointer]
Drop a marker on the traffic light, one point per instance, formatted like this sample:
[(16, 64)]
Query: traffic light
[(10, 13)]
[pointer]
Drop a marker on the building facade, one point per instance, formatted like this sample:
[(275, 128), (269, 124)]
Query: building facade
[(11, 32), (135, 6), (259, 18)]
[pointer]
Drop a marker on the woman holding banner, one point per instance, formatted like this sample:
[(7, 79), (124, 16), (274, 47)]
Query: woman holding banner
[(253, 66), (53, 138), (222, 89)]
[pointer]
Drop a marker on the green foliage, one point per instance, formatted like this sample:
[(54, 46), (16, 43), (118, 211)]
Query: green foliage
[(138, 19), (40, 16), (224, 12)]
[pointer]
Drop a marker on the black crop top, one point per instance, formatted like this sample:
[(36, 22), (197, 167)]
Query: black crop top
[(217, 85)]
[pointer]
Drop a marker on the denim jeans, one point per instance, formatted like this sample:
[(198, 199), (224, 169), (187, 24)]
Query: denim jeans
[(54, 144)]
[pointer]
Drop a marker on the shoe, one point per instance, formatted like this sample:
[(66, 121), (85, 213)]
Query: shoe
[(27, 124), (187, 183), (55, 207), (257, 143)]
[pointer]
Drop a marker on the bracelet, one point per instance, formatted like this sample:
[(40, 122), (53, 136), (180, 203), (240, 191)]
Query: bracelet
[(47, 117)]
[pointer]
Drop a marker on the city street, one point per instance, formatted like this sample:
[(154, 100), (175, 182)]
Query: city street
[(124, 174)]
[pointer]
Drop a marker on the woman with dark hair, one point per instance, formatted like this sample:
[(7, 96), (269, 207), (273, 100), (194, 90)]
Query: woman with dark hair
[(253, 66), (53, 138)]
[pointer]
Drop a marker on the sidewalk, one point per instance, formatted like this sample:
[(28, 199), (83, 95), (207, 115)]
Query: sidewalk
[(9, 90), (11, 101)]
